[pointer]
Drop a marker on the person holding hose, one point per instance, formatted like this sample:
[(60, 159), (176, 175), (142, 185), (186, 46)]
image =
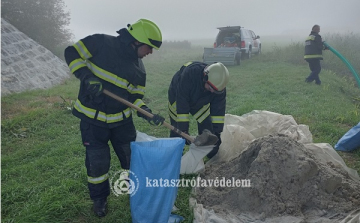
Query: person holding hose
[(199, 89), (313, 54), (114, 63)]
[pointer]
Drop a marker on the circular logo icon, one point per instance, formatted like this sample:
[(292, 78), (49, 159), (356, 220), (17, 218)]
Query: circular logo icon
[(121, 183)]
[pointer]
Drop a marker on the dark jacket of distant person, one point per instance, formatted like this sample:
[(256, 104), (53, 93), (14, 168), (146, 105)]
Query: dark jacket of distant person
[(313, 46)]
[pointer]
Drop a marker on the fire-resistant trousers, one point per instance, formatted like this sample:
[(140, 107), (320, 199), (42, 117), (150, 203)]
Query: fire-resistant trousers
[(96, 141), (315, 68)]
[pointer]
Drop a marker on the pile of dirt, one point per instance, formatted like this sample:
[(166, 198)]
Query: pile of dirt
[(286, 180)]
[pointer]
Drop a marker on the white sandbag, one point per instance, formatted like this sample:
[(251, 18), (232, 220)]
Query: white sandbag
[(192, 160), (143, 137)]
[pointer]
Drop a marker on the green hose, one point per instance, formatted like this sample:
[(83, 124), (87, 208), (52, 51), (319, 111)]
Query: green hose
[(345, 61)]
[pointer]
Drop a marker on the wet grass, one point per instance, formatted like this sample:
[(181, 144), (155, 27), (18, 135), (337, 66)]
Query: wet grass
[(43, 177)]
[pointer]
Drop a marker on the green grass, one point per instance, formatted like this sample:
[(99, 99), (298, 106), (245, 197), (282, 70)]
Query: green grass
[(43, 177)]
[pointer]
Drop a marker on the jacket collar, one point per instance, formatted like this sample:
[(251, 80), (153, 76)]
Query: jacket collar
[(125, 40)]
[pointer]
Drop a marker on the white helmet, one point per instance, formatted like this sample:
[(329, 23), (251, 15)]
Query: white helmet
[(217, 76)]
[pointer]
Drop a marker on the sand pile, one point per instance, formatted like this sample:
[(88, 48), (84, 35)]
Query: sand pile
[(288, 183)]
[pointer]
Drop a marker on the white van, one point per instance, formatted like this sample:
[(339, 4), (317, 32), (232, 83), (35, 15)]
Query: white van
[(237, 36)]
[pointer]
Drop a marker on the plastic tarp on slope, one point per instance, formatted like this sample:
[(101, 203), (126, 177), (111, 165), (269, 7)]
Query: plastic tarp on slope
[(349, 141), (240, 131)]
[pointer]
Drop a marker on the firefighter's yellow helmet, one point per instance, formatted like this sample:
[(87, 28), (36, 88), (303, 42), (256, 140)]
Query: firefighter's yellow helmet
[(145, 31)]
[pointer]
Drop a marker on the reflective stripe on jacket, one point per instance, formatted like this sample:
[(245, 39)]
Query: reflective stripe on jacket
[(313, 46), (187, 95), (115, 63)]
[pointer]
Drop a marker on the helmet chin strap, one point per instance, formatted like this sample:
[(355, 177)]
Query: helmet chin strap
[(205, 77), (137, 46), (206, 81)]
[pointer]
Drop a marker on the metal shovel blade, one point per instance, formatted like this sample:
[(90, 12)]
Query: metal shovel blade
[(205, 139)]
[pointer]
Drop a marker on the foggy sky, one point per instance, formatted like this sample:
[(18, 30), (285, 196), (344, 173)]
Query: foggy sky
[(197, 19)]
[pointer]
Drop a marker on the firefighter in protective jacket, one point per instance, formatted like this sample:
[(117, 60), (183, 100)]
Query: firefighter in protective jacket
[(313, 54), (114, 63), (199, 89)]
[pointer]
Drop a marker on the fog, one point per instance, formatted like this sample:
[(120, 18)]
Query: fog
[(198, 19)]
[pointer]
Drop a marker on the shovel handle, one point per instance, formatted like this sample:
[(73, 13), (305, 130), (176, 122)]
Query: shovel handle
[(148, 114)]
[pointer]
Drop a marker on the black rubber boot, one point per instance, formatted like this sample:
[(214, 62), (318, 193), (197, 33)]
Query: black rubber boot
[(308, 81), (100, 207)]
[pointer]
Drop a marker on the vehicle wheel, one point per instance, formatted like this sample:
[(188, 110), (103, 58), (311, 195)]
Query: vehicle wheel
[(243, 55), (249, 54), (237, 59), (259, 51)]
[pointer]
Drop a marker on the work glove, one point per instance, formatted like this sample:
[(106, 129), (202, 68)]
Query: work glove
[(94, 86), (215, 150), (156, 120), (141, 115)]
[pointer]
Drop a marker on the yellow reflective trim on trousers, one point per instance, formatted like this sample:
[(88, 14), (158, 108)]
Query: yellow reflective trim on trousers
[(82, 50), (172, 107), (312, 56), (204, 116), (174, 117), (201, 111), (218, 119), (172, 110), (111, 118), (98, 180), (76, 65), (182, 118), (114, 79), (85, 110)]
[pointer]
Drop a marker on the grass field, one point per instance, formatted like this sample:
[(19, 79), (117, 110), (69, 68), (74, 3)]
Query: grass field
[(43, 177)]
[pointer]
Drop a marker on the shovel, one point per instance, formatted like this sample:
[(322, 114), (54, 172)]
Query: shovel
[(206, 137)]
